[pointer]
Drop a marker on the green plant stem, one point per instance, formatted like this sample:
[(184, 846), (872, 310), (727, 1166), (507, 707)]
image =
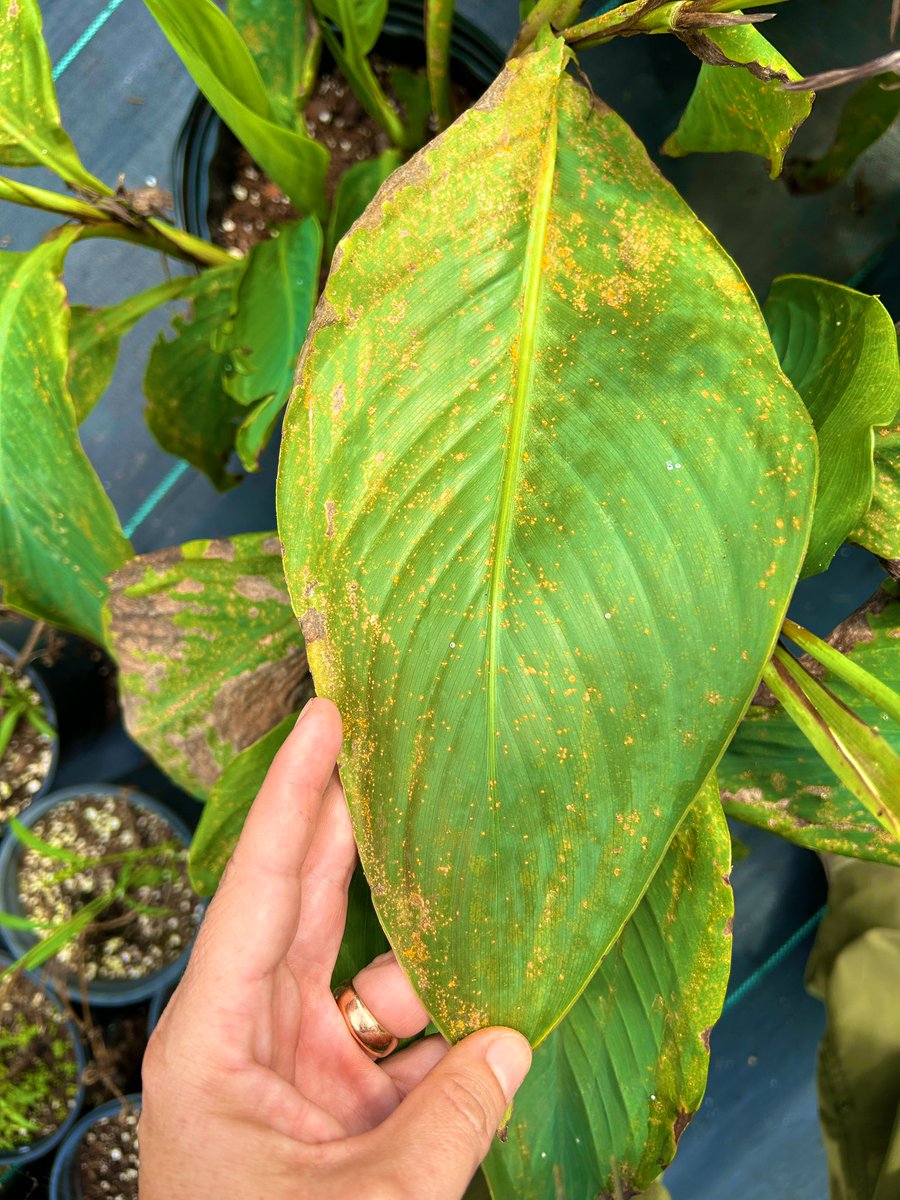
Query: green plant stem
[(649, 16), (367, 89), (8, 725), (845, 668), (438, 27), (153, 233), (553, 13)]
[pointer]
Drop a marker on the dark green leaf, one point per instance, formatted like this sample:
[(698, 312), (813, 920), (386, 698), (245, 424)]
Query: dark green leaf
[(411, 89), (492, 540), (59, 535), (31, 134), (839, 350), (188, 410), (274, 302), (867, 115), (613, 1087), (223, 69), (284, 41), (210, 656), (731, 109), (355, 190), (772, 777), (226, 809), (880, 527), (94, 336)]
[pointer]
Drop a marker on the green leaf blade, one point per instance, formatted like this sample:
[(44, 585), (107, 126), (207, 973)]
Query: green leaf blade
[(355, 190), (284, 42), (223, 69), (209, 652), (772, 777), (59, 534), (730, 109), (879, 530), (491, 540), (838, 347), (613, 1087), (31, 133)]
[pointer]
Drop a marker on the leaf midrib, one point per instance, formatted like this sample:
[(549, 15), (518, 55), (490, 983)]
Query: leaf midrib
[(534, 258)]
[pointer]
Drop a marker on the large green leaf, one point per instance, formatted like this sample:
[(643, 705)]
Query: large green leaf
[(770, 775), (94, 337), (613, 1087), (59, 535), (880, 527), (534, 387), (839, 350), (732, 109), (223, 69), (274, 302), (210, 656), (188, 410), (867, 116), (31, 134), (282, 37)]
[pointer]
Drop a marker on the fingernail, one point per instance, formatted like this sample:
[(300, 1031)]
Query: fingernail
[(304, 710), (509, 1057)]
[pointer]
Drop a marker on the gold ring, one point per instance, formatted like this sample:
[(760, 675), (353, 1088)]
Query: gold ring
[(367, 1031)]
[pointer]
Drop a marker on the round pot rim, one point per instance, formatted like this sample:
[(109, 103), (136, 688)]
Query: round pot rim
[(195, 145), (8, 651), (65, 1155), (101, 993), (16, 1158)]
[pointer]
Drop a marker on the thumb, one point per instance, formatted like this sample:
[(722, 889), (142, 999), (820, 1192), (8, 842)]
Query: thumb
[(437, 1138)]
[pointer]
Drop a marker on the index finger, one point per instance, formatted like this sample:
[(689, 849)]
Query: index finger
[(254, 916)]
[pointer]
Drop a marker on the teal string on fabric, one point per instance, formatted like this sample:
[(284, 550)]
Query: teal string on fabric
[(156, 497), (752, 982), (92, 30)]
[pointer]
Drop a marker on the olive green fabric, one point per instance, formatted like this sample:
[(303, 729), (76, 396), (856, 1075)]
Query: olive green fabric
[(855, 969)]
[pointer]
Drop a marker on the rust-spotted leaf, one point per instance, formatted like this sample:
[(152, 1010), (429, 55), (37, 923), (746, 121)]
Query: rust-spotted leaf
[(210, 656), (614, 1086), (772, 777), (544, 491)]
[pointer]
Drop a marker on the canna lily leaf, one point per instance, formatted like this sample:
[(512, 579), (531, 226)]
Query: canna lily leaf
[(839, 350), (354, 193), (880, 527), (211, 49), (188, 410), (210, 657), (284, 40), (360, 21), (273, 304), (59, 534), (491, 510), (732, 109), (613, 1087), (772, 777), (94, 337), (31, 133), (867, 116)]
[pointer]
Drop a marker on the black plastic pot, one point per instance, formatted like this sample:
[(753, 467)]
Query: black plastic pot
[(63, 1182), (11, 653), (101, 992), (11, 1160), (203, 164)]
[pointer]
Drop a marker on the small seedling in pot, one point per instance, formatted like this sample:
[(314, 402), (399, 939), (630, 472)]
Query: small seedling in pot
[(95, 912), (38, 1066), (26, 740)]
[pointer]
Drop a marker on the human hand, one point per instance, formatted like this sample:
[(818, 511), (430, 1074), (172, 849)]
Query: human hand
[(253, 1084)]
